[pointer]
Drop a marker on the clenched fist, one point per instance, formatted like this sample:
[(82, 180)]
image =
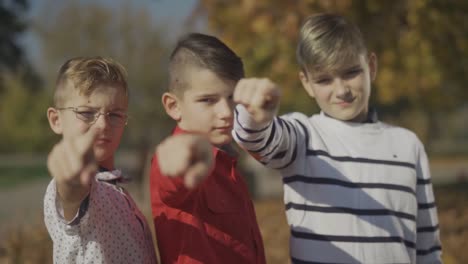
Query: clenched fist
[(188, 156), (259, 96)]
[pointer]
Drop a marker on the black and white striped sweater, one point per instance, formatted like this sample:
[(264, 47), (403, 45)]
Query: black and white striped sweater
[(353, 192)]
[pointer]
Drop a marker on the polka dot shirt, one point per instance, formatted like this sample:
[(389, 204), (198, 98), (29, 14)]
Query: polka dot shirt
[(109, 228)]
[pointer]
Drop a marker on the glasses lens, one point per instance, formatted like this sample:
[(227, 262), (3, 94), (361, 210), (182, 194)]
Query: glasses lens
[(90, 115), (86, 114), (117, 118)]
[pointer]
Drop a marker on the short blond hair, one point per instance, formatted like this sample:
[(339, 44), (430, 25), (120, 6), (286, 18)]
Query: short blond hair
[(328, 42), (84, 74)]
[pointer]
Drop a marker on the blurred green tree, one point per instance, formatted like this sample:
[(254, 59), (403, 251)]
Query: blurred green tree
[(12, 58), (421, 45), (22, 126), (12, 25), (23, 123)]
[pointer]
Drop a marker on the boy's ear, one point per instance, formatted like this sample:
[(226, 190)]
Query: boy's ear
[(171, 105), (54, 120), (306, 83), (372, 66)]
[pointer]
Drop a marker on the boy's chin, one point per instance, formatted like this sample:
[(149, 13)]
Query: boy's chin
[(348, 116), (221, 140), (102, 156)]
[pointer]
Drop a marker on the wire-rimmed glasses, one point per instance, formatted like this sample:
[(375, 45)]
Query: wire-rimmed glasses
[(90, 115)]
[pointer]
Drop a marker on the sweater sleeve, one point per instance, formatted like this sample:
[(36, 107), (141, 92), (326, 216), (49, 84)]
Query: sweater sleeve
[(427, 243), (273, 144)]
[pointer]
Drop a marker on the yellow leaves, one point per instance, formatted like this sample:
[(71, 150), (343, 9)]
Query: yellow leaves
[(262, 23), (419, 4), (290, 26), (385, 81), (388, 57), (462, 44), (373, 6), (412, 38)]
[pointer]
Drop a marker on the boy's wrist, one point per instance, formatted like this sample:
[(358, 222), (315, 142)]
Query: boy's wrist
[(71, 194), (246, 120), (69, 200)]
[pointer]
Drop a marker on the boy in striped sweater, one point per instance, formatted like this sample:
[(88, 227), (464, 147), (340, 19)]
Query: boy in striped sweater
[(356, 190)]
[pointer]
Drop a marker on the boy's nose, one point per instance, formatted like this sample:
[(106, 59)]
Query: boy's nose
[(101, 122), (225, 109), (341, 88)]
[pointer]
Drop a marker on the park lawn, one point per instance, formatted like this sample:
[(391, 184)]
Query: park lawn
[(13, 176)]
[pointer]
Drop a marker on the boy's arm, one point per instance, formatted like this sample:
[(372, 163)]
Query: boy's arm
[(180, 164), (428, 247), (71, 163), (269, 139)]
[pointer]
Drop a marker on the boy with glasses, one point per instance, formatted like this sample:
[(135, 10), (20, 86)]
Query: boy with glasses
[(89, 217)]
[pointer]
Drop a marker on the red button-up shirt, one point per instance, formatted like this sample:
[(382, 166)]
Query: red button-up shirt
[(211, 224)]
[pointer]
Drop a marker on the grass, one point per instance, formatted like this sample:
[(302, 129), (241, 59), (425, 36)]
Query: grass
[(13, 176)]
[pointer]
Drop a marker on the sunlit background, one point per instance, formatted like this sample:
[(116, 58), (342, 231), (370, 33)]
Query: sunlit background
[(422, 47)]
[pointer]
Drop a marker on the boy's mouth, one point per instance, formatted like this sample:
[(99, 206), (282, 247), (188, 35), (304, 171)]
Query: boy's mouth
[(346, 102), (224, 128), (102, 140)]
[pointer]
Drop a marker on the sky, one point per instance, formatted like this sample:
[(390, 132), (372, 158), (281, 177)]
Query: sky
[(170, 14)]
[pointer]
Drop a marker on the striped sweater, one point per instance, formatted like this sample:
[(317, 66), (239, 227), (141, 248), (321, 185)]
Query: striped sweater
[(353, 192)]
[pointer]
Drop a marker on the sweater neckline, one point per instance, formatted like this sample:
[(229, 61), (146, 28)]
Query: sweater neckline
[(341, 126)]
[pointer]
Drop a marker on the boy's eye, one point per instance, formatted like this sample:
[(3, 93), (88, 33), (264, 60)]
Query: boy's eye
[(207, 100), (117, 118), (351, 73), (323, 81), (116, 115), (87, 115)]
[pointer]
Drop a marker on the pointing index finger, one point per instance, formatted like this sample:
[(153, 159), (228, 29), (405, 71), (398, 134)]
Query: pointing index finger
[(85, 141)]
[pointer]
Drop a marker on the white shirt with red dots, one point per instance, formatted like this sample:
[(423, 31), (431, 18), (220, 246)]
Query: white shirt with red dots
[(108, 228)]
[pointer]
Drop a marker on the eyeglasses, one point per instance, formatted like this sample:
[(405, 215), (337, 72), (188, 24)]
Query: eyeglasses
[(90, 115)]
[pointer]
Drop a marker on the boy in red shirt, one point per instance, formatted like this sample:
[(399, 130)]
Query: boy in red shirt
[(202, 215)]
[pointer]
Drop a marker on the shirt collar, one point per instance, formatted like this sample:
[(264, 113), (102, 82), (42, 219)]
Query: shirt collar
[(371, 118), (106, 175), (177, 130)]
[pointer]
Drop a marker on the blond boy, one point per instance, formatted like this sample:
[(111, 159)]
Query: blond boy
[(356, 190), (90, 218)]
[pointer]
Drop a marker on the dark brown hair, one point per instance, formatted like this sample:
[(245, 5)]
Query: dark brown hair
[(205, 52)]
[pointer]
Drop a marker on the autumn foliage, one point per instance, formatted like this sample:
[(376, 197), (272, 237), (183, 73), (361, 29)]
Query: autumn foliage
[(421, 45)]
